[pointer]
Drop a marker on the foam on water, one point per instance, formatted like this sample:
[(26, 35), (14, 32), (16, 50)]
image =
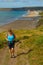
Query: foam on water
[(10, 16)]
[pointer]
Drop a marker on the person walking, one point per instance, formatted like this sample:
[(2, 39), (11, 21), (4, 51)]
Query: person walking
[(11, 43)]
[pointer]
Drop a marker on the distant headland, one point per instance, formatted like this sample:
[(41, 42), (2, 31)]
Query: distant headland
[(22, 8)]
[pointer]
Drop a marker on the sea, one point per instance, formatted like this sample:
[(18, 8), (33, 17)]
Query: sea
[(10, 16)]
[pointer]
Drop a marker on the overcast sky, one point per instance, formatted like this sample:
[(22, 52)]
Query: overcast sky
[(20, 3)]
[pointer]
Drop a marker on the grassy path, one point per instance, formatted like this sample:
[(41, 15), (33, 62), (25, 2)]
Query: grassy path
[(28, 51), (20, 59)]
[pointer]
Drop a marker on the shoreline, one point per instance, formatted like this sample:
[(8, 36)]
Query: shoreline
[(19, 24), (22, 23)]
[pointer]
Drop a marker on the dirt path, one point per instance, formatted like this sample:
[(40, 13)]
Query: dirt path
[(20, 59), (3, 54)]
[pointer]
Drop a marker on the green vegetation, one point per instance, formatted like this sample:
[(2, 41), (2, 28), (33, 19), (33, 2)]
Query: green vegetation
[(41, 13), (2, 40), (40, 23), (28, 40)]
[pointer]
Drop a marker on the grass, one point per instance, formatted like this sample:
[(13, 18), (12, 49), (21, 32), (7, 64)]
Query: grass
[(41, 13), (34, 42), (28, 39)]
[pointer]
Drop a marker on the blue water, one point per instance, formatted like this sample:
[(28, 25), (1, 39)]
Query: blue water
[(10, 16)]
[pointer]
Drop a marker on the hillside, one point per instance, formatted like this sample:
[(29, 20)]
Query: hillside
[(28, 45), (28, 48), (22, 8), (5, 9)]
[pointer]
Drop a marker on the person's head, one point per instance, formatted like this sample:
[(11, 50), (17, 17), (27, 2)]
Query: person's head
[(10, 32)]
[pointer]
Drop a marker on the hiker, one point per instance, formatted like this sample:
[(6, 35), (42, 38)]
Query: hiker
[(10, 38)]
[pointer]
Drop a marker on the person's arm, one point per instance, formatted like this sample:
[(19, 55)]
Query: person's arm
[(6, 37), (14, 37)]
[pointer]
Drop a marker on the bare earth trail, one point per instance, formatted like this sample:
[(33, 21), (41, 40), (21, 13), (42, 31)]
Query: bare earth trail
[(21, 55), (20, 59)]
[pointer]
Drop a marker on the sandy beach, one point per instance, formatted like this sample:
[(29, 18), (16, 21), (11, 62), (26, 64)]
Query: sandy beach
[(22, 24), (19, 24)]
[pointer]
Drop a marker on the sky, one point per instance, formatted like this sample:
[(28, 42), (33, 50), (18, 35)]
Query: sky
[(20, 3)]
